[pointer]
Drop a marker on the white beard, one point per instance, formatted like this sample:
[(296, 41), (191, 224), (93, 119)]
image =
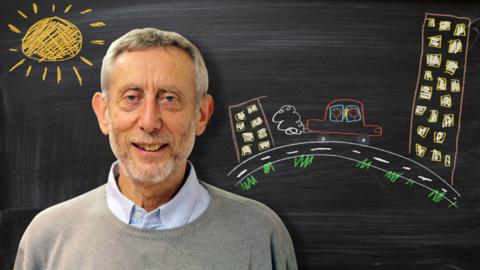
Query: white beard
[(154, 174)]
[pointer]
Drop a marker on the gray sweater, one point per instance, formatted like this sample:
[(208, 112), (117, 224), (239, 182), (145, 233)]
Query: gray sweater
[(82, 233)]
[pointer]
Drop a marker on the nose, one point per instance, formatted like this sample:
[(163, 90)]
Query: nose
[(150, 116)]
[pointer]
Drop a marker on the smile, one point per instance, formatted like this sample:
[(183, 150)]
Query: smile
[(149, 147)]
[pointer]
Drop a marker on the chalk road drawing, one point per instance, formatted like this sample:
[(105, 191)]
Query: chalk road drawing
[(303, 157), (288, 120), (51, 39)]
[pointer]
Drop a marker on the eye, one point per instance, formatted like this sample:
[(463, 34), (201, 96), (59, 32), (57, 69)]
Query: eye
[(132, 98), (170, 98)]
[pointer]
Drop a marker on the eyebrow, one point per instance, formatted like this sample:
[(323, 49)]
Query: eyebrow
[(174, 90)]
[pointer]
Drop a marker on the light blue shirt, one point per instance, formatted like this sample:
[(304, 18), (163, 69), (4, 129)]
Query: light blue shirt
[(188, 204)]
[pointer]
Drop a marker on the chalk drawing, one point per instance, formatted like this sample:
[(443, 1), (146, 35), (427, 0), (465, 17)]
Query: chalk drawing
[(51, 39), (288, 120)]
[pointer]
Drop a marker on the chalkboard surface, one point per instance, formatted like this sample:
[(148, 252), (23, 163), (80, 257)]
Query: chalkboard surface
[(356, 121)]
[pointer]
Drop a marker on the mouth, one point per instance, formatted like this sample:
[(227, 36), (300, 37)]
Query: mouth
[(149, 147)]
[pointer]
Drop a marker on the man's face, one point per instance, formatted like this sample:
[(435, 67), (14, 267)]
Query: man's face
[(150, 113)]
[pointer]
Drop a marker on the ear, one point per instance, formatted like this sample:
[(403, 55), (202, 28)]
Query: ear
[(99, 105), (206, 110)]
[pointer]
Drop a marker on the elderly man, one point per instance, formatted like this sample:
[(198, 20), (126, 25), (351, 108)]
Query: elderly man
[(154, 213)]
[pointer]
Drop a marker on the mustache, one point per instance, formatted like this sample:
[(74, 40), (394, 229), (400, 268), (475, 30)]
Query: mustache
[(156, 137)]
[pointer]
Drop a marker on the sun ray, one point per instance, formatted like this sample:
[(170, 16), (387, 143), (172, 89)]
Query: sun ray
[(86, 61), (35, 8), (53, 7), (28, 71), (22, 14), (78, 75), (59, 74), (67, 9), (98, 42), (97, 24), (14, 28), (13, 50), (19, 63), (44, 76), (86, 11)]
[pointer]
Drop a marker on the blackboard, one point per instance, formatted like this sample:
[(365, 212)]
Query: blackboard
[(326, 95)]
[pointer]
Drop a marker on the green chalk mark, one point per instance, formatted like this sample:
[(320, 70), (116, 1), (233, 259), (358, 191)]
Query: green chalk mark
[(303, 161), (268, 167), (453, 204), (436, 196), (393, 176), (364, 164), (409, 182), (248, 183)]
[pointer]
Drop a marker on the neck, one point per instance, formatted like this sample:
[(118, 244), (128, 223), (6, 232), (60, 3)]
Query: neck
[(150, 196)]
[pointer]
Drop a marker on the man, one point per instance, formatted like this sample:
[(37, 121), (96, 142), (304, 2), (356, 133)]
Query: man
[(153, 213)]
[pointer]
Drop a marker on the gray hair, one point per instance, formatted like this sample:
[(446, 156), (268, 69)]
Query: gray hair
[(145, 38)]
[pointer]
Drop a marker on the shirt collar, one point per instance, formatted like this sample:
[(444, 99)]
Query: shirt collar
[(175, 213)]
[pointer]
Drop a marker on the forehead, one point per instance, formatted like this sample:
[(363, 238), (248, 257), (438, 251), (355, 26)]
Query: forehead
[(154, 67)]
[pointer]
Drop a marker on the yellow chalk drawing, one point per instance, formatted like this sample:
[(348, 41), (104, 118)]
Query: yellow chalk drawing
[(59, 74), (446, 101), (436, 155), (52, 39), (22, 14), (435, 41), (67, 9), (86, 11), (420, 110), (444, 25), (439, 136), (447, 161), (460, 30), (448, 120), (455, 46), (422, 131), (433, 116), (86, 61), (14, 29), (428, 75), (17, 65), (451, 66), (420, 150), (35, 8), (434, 60), (98, 42), (425, 92), (27, 73), (97, 24), (80, 81), (431, 22), (44, 76), (455, 85), (441, 84)]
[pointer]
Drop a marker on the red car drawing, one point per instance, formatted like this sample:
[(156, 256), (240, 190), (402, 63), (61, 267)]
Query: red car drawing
[(344, 116)]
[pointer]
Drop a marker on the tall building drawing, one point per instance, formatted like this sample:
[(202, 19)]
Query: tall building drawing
[(437, 104)]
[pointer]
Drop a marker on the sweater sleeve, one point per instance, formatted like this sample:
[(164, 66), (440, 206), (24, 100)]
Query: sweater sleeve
[(25, 255), (282, 251)]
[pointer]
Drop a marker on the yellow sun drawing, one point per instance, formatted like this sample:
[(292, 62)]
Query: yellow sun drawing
[(52, 39)]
